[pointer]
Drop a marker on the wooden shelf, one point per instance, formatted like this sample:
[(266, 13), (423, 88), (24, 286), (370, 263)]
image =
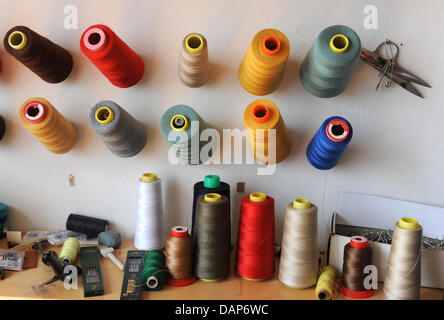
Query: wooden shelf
[(16, 285)]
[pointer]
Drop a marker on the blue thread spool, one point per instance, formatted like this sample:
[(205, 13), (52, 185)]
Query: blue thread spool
[(3, 215), (328, 66), (329, 143), (181, 126)]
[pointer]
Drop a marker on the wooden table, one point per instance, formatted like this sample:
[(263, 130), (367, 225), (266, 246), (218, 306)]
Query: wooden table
[(16, 285)]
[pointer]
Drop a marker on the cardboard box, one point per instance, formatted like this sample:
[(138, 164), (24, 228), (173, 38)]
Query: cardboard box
[(360, 212)]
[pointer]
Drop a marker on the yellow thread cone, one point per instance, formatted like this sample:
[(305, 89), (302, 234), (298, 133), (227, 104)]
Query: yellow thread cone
[(261, 70), (54, 131)]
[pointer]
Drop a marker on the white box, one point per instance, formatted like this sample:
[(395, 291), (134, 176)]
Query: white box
[(381, 213)]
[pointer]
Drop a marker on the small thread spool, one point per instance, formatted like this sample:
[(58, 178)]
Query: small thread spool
[(181, 126), (3, 219), (211, 184), (256, 243), (46, 59), (89, 226), (211, 238), (179, 257), (298, 266), (150, 220), (328, 66), (45, 123), (329, 143), (153, 273), (194, 66), (122, 134), (357, 255), (113, 57), (110, 238), (326, 283), (403, 276), (260, 117), (2, 128), (262, 68), (69, 250)]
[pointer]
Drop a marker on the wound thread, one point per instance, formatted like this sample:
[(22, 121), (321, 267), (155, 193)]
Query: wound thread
[(194, 65), (179, 257), (89, 226), (181, 126), (113, 57), (267, 136), (329, 143), (150, 217), (153, 273), (211, 239), (45, 123), (46, 59), (357, 255), (328, 66), (70, 250), (256, 243), (326, 283), (403, 275), (263, 66), (122, 134), (298, 266)]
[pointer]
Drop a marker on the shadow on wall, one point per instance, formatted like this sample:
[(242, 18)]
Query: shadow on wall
[(17, 218)]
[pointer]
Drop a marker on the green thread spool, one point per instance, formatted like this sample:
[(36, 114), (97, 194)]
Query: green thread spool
[(3, 217), (328, 66), (153, 274), (179, 127), (69, 250)]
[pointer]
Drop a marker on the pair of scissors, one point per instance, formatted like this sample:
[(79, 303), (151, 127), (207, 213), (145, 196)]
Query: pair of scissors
[(388, 67)]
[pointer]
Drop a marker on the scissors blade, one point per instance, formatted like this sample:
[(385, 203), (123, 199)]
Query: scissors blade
[(409, 76), (395, 78)]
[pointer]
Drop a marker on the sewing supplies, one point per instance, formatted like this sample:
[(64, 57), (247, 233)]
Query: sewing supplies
[(329, 143), (46, 59), (110, 238), (298, 266), (30, 260), (11, 260), (194, 66), (122, 134), (263, 66), (113, 57), (2, 273), (2, 128), (211, 184), (40, 118), (328, 66), (326, 283), (181, 126), (267, 136), (89, 226), (132, 276), (211, 237), (403, 276), (107, 252), (150, 220), (386, 63), (3, 219), (58, 266), (256, 243), (69, 251), (92, 275), (153, 273), (179, 257), (357, 255)]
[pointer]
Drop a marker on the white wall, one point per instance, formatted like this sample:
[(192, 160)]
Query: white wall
[(397, 148)]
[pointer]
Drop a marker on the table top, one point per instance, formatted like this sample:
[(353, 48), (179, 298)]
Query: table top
[(17, 285)]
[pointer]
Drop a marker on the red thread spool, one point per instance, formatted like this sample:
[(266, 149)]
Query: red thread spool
[(113, 57), (256, 245)]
